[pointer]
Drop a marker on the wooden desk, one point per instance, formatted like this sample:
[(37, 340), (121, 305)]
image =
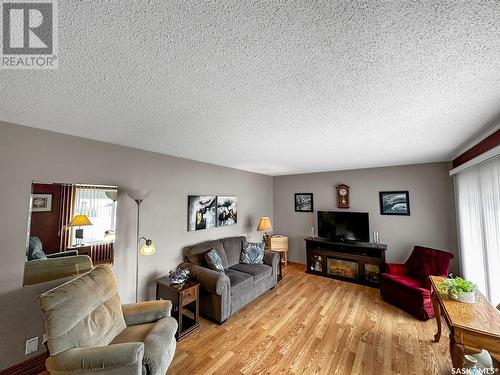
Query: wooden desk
[(472, 326)]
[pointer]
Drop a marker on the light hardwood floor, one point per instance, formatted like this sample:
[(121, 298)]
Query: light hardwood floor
[(314, 325)]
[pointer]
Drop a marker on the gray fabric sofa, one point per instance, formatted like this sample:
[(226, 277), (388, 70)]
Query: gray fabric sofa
[(222, 294), (89, 331)]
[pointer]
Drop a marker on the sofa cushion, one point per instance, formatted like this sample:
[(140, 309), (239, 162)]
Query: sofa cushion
[(213, 260), (232, 248), (196, 253), (240, 281), (408, 283), (258, 271), (252, 253)]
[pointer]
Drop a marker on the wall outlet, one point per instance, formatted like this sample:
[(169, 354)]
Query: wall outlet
[(31, 345)]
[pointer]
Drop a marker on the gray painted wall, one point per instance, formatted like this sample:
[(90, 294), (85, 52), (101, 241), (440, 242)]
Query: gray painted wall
[(432, 220), (28, 154)]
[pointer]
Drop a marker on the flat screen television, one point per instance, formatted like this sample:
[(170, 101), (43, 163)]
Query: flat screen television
[(343, 226)]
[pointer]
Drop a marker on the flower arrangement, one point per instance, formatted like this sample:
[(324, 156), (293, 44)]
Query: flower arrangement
[(459, 289), (179, 275)]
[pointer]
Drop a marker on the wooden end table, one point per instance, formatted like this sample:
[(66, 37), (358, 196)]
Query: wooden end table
[(280, 264), (185, 303), (279, 244), (473, 327)]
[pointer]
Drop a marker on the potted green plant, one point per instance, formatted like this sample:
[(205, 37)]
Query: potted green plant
[(459, 289)]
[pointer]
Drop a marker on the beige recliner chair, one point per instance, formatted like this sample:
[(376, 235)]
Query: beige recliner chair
[(89, 331)]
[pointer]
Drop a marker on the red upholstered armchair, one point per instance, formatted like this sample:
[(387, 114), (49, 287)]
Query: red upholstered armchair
[(407, 285)]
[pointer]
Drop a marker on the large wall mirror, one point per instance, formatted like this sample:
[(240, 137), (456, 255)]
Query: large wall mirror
[(71, 227)]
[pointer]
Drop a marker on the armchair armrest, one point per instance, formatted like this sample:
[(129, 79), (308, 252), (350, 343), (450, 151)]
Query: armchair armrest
[(272, 259), (146, 312), (125, 357), (397, 269), (210, 280), (61, 254)]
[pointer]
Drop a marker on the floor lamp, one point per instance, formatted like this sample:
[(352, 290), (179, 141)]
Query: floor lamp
[(148, 248)]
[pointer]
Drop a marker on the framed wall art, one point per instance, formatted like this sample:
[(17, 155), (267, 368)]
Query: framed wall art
[(304, 202), (227, 210), (41, 202), (201, 212), (394, 203)]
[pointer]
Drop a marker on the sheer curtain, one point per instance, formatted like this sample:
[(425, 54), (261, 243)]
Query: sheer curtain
[(478, 206)]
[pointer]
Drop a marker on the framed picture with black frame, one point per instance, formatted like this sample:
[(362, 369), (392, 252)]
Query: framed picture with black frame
[(394, 203), (304, 202)]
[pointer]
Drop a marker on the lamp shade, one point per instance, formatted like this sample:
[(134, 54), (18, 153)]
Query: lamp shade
[(138, 194), (80, 221), (148, 248), (112, 194), (264, 224)]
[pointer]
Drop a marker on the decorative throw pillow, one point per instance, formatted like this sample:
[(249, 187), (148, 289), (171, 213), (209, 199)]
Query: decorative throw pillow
[(252, 253), (213, 260)]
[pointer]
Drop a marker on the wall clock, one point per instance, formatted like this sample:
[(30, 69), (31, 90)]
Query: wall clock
[(343, 196)]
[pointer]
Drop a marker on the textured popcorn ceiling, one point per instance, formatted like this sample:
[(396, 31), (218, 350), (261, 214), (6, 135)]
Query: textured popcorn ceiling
[(270, 86)]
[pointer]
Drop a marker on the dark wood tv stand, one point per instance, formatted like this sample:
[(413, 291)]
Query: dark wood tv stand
[(357, 262)]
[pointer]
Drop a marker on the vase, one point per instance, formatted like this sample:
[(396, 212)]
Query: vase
[(469, 297)]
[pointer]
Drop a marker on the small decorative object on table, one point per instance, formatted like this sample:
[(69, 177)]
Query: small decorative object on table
[(178, 276), (459, 289)]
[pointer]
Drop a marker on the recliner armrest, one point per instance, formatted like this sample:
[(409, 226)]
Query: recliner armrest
[(127, 357), (146, 312), (210, 280)]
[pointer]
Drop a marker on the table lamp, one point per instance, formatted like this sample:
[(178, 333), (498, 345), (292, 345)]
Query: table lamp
[(79, 221), (265, 226)]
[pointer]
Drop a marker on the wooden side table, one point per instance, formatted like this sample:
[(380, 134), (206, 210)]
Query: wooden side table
[(185, 303)]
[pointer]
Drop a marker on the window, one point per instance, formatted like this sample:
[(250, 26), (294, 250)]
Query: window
[(478, 206), (98, 205)]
